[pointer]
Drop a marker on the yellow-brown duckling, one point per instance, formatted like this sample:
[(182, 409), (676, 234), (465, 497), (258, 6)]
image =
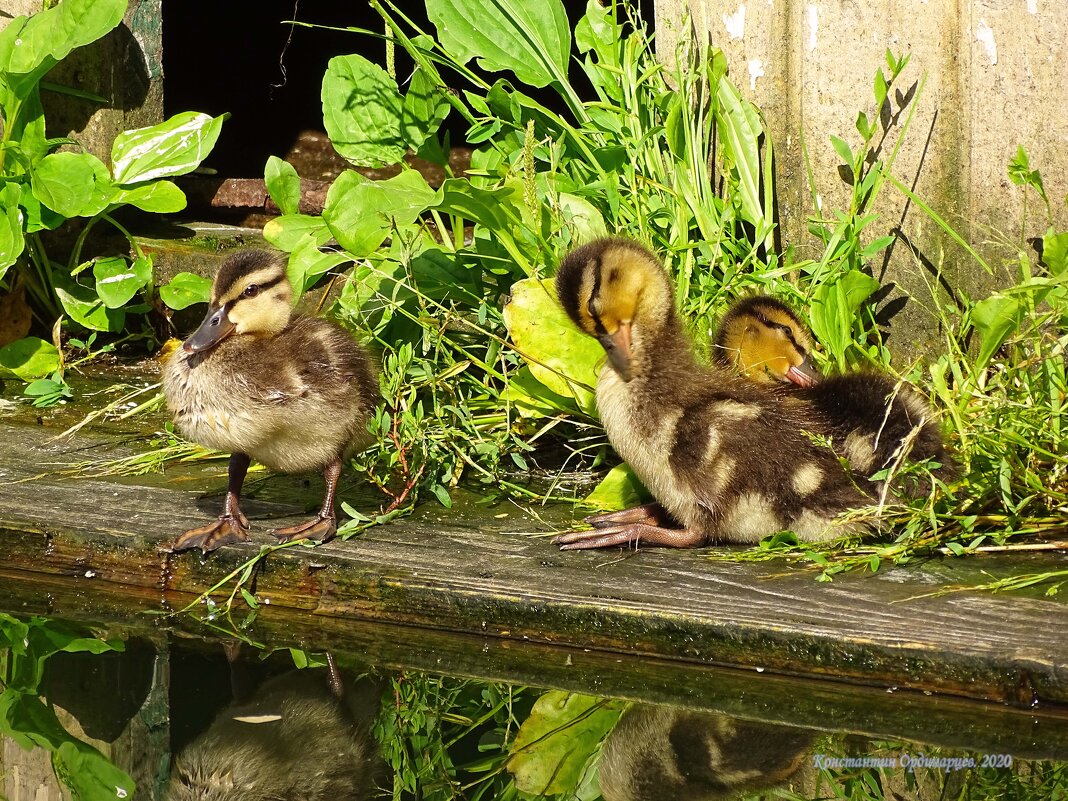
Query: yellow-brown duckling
[(763, 338), (871, 419), (722, 456), (290, 391)]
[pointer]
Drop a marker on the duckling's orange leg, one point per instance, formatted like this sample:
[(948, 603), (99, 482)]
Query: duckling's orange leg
[(631, 535), (323, 526), (652, 514), (232, 526)]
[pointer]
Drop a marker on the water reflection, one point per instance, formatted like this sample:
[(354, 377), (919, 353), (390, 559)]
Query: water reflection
[(188, 723), (658, 752), (304, 734)]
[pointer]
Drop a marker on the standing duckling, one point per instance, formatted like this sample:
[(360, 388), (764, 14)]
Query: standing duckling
[(290, 391), (871, 419), (722, 456)]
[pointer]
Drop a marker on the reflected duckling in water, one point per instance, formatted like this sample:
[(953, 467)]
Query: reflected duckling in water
[(723, 456), (260, 382), (296, 738), (657, 752), (871, 419)]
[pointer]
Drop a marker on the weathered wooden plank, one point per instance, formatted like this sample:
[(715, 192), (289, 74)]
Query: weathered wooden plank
[(476, 574)]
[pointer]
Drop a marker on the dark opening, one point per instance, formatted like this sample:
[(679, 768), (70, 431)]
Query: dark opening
[(234, 57)]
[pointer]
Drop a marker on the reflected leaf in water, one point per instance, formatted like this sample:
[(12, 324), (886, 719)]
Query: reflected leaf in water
[(553, 752), (31, 723), (658, 752), (293, 739)]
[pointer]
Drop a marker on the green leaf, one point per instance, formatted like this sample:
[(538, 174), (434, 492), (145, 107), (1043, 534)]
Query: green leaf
[(863, 126), (741, 128), (620, 489), (184, 290), (174, 147), (841, 147), (72, 184), (835, 303), (160, 197), (12, 242), (424, 110), (598, 31), (995, 318), (675, 128), (90, 775), (880, 91), (361, 212), (1021, 174), (283, 184), (289, 230), (1055, 251), (582, 217), (552, 748), (559, 355), (29, 358), (533, 399), (307, 263), (30, 47), (362, 112), (118, 280), (488, 207), (442, 495), (532, 40), (37, 216), (84, 306), (875, 246)]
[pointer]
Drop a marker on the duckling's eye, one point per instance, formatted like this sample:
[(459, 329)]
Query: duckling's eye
[(251, 291)]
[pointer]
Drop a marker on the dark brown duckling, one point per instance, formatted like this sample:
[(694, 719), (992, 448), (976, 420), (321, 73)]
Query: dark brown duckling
[(872, 420), (290, 391), (724, 458)]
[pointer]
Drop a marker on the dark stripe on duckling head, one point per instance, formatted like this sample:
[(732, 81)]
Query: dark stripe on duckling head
[(252, 290), (242, 264)]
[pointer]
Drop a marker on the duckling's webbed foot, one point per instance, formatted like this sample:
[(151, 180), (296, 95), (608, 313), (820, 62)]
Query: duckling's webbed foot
[(652, 514), (324, 526), (227, 530), (321, 529), (630, 535), (232, 526)]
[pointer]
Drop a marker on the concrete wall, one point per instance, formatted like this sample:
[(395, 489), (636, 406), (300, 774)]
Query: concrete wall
[(996, 78)]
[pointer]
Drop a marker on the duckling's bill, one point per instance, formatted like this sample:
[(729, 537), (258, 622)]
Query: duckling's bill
[(617, 346), (804, 374), (215, 328)]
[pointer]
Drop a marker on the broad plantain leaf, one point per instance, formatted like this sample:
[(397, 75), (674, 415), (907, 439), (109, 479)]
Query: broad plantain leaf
[(532, 40), (12, 242), (118, 280), (283, 184), (72, 184), (620, 489), (173, 147), (29, 358), (361, 212), (554, 746), (362, 112), (559, 355), (184, 290), (995, 318)]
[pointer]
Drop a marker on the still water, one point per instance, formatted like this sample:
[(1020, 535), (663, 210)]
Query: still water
[(151, 710)]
